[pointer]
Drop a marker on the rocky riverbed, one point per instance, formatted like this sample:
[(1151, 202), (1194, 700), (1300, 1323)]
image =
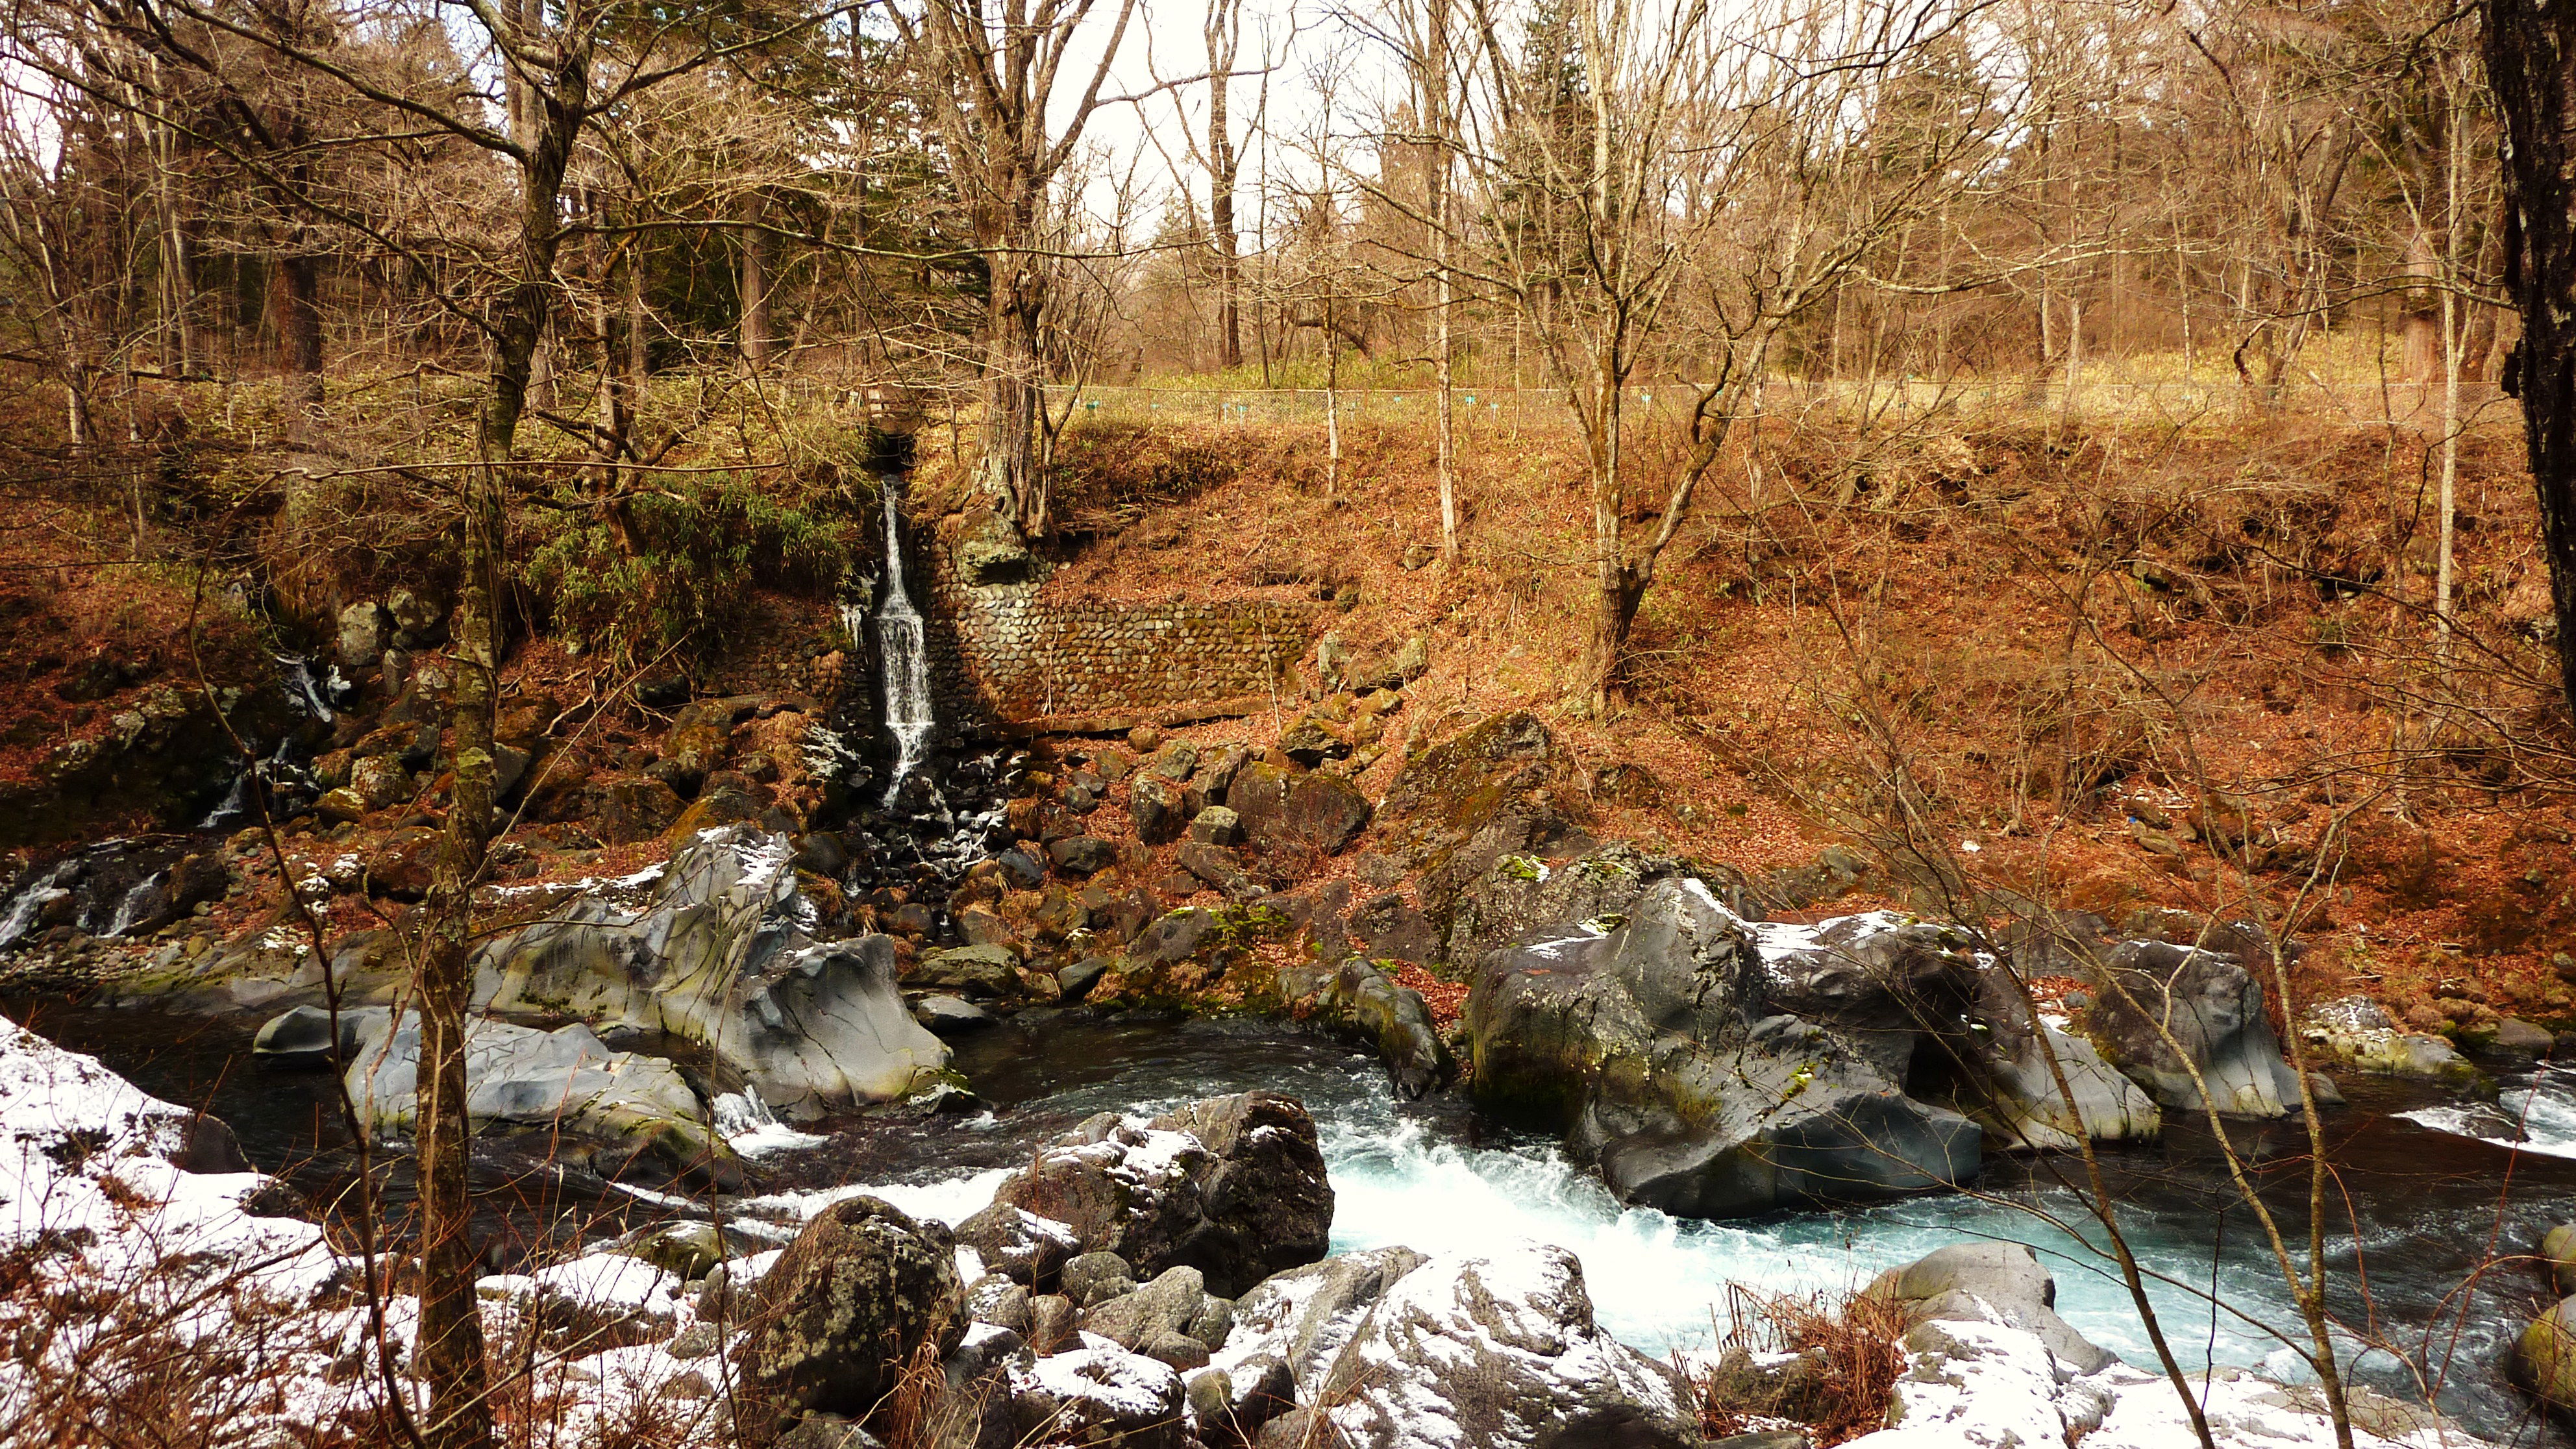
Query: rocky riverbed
[(1150, 1280), (1526, 1202)]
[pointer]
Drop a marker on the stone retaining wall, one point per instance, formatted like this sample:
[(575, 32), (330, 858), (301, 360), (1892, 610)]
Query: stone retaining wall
[(1007, 653)]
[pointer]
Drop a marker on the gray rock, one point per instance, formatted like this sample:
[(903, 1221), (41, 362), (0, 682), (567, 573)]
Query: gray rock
[(1214, 864), (1233, 1187), (1161, 809), (950, 1015), (1746, 1109), (826, 1431), (1990, 1283), (1310, 810), (1359, 1001), (302, 1037), (2516, 1037), (1257, 1390), (1091, 1279), (1301, 1319), (1174, 761), (2211, 1006), (365, 629), (861, 1287), (1082, 855), (1100, 1396), (720, 952), (1217, 825), (1027, 1247), (695, 1341), (418, 622), (1171, 939), (1487, 1352), (990, 552), (1301, 1429), (2558, 1251), (1051, 1320), (1176, 1349), (990, 970), (996, 1300), (565, 1079), (1132, 1319), (2354, 1032), (2544, 1357), (2019, 1102), (1075, 981)]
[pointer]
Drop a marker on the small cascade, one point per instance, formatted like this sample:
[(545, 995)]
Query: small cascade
[(141, 903), (902, 649), (31, 900), (745, 1121), (310, 694)]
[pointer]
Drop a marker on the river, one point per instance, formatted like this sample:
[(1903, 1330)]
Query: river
[(2418, 1201)]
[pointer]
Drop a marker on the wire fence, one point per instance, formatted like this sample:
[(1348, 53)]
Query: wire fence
[(2214, 400), (2178, 400)]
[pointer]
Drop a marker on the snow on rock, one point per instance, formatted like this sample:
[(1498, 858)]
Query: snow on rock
[(1986, 1386), (92, 1193), (1460, 1351), (149, 1290), (1097, 1393)]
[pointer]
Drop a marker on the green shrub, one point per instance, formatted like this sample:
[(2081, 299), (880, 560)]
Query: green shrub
[(693, 557)]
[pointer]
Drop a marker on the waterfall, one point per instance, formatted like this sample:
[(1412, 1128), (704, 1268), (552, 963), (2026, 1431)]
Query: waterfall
[(906, 681)]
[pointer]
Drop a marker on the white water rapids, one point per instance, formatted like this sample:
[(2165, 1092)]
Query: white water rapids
[(904, 655), (1659, 1282)]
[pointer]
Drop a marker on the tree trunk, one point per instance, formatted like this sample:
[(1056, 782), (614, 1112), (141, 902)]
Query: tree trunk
[(2531, 66), (450, 1351), (1010, 475), (1614, 606), (1436, 91), (2423, 314), (755, 284), (1222, 20), (639, 356), (295, 307)]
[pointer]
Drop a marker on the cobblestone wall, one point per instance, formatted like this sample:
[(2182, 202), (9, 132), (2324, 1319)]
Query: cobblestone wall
[(1007, 652)]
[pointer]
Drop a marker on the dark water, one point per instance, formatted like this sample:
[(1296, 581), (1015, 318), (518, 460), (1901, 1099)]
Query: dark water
[(2413, 1213)]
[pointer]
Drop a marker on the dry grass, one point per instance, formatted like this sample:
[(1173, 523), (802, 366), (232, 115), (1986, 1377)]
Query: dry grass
[(1824, 1360)]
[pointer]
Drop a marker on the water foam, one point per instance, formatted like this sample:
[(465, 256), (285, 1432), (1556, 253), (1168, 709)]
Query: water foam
[(2538, 1117)]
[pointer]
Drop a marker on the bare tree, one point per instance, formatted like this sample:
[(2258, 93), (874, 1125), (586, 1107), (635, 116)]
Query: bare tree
[(992, 69)]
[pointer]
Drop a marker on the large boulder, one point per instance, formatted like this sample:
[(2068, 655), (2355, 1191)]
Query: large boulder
[(2016, 1098), (2353, 1033), (719, 950), (1302, 1318), (1649, 1038), (2000, 1283), (1232, 1186), (1290, 810), (835, 1322), (1927, 1001), (1100, 1396), (1359, 1001), (1501, 787), (2544, 1357), (1475, 1351), (519, 1076), (2178, 1018)]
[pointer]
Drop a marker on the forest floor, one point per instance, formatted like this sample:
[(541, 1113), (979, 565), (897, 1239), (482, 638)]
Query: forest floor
[(2015, 659)]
